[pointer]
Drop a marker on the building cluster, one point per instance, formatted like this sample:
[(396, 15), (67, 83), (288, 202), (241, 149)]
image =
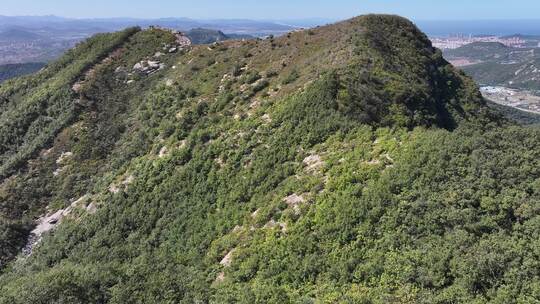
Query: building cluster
[(520, 99), (454, 42)]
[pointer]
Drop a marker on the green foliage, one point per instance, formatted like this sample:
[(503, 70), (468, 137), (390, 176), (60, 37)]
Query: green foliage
[(497, 64), (293, 76), (482, 51), (34, 111), (375, 175), (515, 115), (101, 123)]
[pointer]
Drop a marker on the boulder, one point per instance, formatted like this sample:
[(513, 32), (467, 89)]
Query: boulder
[(138, 66), (153, 64)]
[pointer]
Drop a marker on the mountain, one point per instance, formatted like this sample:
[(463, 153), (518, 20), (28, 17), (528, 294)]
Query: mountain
[(207, 36), (493, 63), (345, 164), (97, 25), (482, 51), (9, 71), (37, 39), (18, 35), (520, 75)]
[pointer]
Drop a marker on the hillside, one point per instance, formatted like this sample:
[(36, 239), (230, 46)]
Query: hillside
[(207, 36), (515, 115), (482, 51), (344, 164), (495, 64), (8, 71), (522, 74)]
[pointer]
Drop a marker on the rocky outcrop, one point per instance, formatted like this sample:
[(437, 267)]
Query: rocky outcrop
[(148, 67), (50, 221), (313, 162)]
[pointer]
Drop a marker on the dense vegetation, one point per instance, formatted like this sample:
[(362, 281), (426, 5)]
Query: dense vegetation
[(515, 115), (345, 164), (521, 75), (482, 51), (497, 64), (8, 71)]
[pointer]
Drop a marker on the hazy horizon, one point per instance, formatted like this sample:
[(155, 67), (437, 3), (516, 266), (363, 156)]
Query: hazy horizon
[(275, 10), (314, 18)]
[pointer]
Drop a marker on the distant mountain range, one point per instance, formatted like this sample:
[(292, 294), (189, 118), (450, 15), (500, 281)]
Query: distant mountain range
[(234, 26), (17, 34), (43, 38), (8, 71)]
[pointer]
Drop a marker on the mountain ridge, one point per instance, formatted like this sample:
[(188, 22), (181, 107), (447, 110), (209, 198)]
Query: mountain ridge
[(337, 164)]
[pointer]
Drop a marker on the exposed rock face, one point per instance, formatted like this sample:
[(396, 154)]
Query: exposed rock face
[(163, 152), (115, 188), (227, 260), (313, 162), (148, 67), (294, 201), (182, 40), (49, 222), (220, 278), (63, 157)]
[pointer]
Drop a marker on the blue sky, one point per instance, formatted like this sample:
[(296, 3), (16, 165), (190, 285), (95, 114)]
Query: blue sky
[(276, 9)]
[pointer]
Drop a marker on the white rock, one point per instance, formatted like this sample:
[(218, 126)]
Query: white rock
[(63, 157), (227, 260), (294, 201), (163, 152), (313, 162), (91, 208), (153, 64)]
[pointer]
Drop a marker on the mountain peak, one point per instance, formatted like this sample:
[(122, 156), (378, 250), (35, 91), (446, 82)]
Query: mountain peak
[(260, 171)]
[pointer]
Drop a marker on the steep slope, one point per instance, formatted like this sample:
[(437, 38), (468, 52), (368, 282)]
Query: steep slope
[(348, 163), (43, 115)]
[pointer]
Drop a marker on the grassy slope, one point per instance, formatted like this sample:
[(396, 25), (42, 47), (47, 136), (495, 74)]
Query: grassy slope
[(216, 144)]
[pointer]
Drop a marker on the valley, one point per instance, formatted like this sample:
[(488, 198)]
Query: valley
[(508, 73)]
